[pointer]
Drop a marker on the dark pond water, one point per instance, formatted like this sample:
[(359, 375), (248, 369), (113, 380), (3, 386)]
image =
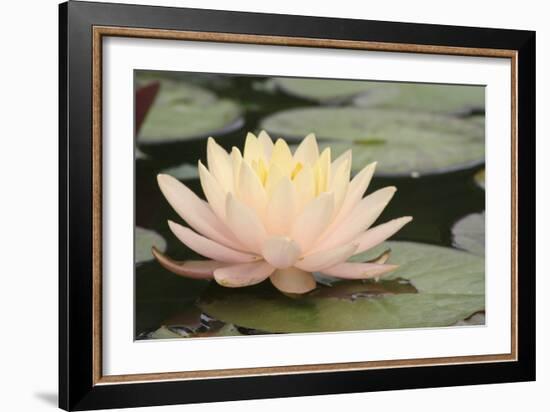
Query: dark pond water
[(436, 202)]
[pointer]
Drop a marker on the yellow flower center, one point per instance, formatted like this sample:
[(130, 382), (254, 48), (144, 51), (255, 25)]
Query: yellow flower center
[(305, 168)]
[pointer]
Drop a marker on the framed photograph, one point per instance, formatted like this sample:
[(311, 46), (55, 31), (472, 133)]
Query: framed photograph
[(257, 205)]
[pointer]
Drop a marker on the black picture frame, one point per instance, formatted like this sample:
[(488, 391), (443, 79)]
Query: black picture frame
[(77, 390)]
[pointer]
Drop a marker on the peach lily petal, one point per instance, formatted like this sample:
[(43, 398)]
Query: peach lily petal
[(219, 164), (274, 175), (293, 280), (266, 144), (376, 235), (194, 269), (361, 218), (304, 182), (236, 162), (208, 248), (307, 151), (346, 156), (250, 189), (281, 208), (245, 224), (326, 258), (245, 274), (356, 189), (339, 182), (313, 220), (252, 149), (282, 156), (281, 251), (214, 192), (195, 211)]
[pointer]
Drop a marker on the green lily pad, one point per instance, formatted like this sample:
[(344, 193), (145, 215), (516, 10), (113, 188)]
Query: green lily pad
[(184, 111), (145, 239), (479, 178), (434, 98), (474, 320), (324, 90), (433, 269), (444, 286), (167, 332), (164, 333), (403, 143), (265, 86), (479, 119), (469, 233), (184, 171), (226, 330), (139, 155)]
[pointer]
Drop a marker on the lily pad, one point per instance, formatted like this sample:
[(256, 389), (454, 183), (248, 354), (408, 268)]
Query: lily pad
[(469, 233), (184, 171), (439, 287), (191, 323), (479, 119), (184, 112), (164, 333), (144, 240), (474, 320), (479, 178), (265, 86), (403, 143), (324, 90), (435, 98), (140, 155), (226, 330)]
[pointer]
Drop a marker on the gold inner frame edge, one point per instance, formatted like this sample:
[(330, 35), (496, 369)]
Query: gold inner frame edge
[(99, 32)]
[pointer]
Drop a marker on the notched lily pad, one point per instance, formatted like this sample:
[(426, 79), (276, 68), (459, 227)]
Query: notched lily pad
[(434, 98), (403, 143), (145, 239), (469, 233), (434, 286), (324, 90), (184, 112)]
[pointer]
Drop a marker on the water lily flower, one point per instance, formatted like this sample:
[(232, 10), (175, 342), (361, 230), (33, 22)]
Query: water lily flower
[(271, 213)]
